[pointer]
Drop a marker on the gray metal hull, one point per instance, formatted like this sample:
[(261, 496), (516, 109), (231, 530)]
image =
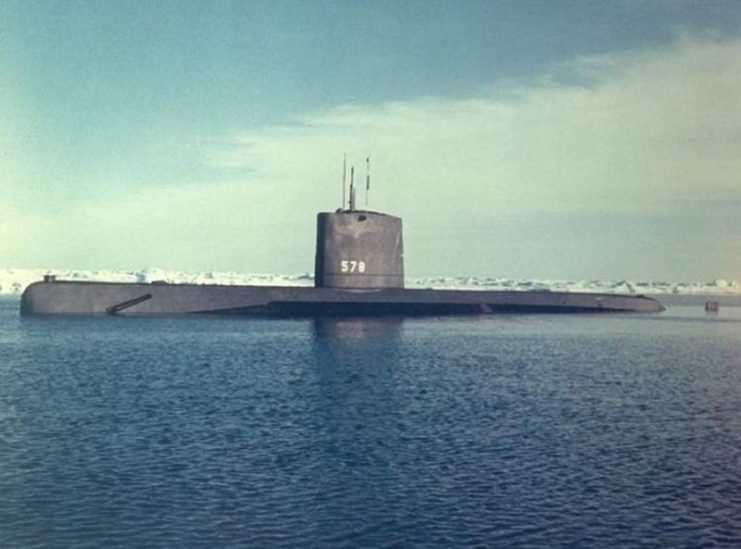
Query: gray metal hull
[(100, 298)]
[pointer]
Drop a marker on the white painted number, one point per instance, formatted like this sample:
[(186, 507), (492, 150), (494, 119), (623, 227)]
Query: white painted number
[(352, 266)]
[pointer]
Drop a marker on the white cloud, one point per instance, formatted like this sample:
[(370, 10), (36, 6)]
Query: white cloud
[(649, 134)]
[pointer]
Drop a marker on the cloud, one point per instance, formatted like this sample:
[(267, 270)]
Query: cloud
[(640, 135), (652, 131)]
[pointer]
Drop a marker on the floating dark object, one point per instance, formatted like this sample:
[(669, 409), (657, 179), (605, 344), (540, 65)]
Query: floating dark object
[(359, 270), (711, 306)]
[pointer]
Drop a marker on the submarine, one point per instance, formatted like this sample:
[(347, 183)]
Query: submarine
[(358, 271)]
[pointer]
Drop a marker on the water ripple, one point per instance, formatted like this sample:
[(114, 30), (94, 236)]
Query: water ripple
[(511, 431)]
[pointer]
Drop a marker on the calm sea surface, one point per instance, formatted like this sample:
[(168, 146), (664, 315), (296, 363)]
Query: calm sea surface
[(505, 430)]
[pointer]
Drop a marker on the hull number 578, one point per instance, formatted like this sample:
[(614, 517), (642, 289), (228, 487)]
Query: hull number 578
[(352, 266)]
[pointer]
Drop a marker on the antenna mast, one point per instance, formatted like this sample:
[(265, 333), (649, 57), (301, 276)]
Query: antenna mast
[(367, 180), (344, 177), (352, 188)]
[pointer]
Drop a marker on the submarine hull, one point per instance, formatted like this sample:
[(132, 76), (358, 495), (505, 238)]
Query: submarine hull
[(101, 298)]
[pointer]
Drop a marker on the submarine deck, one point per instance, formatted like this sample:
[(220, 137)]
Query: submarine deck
[(62, 297)]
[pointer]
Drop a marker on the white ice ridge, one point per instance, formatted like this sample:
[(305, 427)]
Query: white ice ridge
[(14, 281)]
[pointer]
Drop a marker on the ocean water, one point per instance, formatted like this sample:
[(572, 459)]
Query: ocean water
[(516, 430)]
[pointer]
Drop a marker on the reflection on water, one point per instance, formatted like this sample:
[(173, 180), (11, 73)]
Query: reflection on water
[(357, 329), (357, 404)]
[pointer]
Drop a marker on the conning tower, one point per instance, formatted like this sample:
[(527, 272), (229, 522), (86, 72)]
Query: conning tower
[(358, 249)]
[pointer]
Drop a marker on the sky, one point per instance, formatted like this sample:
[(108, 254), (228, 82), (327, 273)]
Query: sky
[(522, 139)]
